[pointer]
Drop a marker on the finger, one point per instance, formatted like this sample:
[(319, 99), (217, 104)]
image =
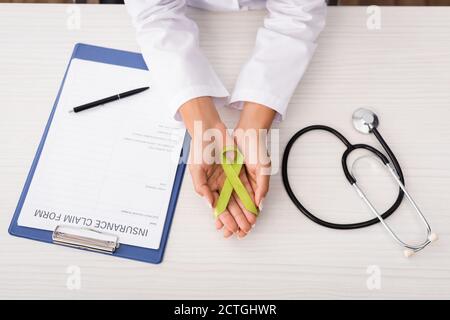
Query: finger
[(238, 215), (200, 183), (219, 224), (251, 218), (227, 233), (229, 222), (262, 184), (226, 218), (241, 234)]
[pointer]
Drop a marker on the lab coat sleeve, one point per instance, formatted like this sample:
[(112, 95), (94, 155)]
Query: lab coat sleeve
[(284, 47), (170, 45)]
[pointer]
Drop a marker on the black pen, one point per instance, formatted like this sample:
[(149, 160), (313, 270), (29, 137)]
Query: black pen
[(108, 99)]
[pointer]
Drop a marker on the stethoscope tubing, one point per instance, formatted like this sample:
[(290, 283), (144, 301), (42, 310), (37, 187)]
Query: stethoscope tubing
[(350, 178)]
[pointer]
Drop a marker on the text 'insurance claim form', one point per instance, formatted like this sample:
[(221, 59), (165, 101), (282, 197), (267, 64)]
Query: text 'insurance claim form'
[(110, 168)]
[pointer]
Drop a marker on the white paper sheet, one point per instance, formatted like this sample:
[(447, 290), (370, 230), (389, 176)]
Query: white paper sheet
[(110, 168)]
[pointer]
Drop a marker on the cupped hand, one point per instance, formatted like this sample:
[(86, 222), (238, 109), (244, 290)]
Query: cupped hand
[(257, 165), (202, 120), (208, 178), (251, 137)]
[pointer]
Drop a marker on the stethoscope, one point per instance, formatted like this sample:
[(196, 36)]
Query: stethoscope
[(364, 121)]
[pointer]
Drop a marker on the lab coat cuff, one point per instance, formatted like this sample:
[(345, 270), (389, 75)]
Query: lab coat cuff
[(277, 103), (219, 94)]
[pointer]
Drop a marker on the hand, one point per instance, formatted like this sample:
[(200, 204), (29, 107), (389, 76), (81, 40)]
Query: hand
[(208, 180), (207, 174), (251, 137)]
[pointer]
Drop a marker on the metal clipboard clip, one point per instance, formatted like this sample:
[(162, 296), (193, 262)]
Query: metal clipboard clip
[(84, 238)]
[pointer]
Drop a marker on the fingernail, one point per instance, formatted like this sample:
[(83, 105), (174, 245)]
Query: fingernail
[(208, 203), (260, 207), (253, 225)]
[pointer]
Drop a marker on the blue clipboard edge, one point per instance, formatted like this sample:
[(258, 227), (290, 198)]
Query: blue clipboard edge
[(126, 59)]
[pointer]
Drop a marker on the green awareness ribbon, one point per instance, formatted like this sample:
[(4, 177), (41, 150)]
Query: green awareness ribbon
[(233, 182)]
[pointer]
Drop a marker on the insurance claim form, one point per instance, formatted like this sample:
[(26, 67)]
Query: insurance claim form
[(110, 168)]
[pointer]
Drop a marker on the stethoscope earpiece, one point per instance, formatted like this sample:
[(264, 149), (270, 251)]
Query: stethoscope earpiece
[(433, 237), (408, 253)]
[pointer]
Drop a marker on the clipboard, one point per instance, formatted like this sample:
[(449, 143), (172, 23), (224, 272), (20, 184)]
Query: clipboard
[(88, 239)]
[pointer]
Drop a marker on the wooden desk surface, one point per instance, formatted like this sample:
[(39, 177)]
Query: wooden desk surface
[(402, 71)]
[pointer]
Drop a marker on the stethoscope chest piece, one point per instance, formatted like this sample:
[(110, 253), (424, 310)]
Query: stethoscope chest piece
[(364, 121)]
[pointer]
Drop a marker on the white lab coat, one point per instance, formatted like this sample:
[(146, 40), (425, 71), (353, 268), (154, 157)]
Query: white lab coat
[(180, 72)]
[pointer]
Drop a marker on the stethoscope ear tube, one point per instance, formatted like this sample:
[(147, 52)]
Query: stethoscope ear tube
[(362, 117)]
